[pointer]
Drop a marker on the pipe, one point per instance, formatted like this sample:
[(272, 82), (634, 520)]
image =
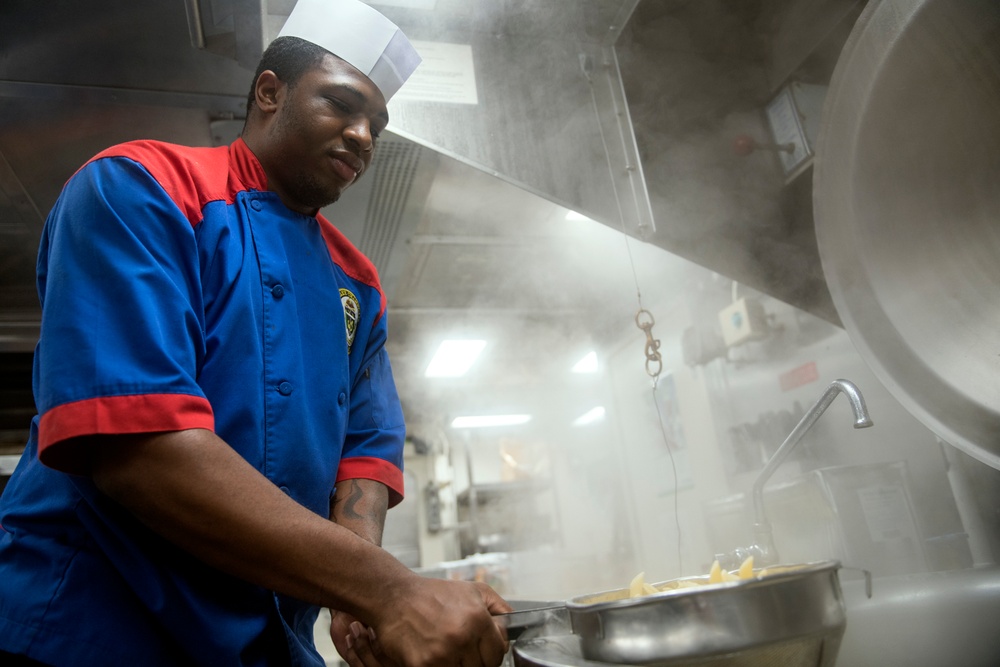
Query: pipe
[(763, 549)]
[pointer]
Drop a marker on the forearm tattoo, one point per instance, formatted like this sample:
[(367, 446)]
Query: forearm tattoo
[(350, 506), (362, 513)]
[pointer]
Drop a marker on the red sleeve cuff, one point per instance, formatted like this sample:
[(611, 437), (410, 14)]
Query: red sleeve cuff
[(112, 415), (380, 470)]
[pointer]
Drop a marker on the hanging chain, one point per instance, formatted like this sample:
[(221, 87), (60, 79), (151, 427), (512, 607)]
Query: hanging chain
[(644, 320)]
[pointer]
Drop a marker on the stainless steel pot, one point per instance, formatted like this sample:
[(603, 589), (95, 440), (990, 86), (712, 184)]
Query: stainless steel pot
[(793, 617)]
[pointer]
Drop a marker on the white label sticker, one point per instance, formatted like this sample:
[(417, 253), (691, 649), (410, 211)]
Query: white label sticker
[(886, 512), (446, 74)]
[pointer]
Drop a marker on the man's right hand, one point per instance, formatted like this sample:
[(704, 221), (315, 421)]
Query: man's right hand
[(196, 491), (434, 622)]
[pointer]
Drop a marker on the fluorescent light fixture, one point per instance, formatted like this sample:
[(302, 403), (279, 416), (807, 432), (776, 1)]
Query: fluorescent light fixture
[(573, 215), (588, 364), (454, 358), (480, 421), (591, 416)]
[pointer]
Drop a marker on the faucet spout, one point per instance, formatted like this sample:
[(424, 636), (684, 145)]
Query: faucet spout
[(764, 548), (861, 418)]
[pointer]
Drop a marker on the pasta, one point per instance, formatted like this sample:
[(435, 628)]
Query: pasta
[(716, 575)]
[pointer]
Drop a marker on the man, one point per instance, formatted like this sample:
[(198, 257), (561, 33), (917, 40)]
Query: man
[(218, 435)]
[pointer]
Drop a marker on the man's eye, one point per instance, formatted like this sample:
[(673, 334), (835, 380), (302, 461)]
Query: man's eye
[(340, 105)]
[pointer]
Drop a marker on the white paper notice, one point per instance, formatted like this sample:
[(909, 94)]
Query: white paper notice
[(886, 512), (446, 74)]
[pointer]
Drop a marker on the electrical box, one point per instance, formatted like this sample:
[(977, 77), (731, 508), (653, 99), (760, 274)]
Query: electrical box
[(743, 320), (793, 116)]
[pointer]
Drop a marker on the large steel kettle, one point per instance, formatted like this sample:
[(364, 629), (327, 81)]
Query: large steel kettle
[(907, 209)]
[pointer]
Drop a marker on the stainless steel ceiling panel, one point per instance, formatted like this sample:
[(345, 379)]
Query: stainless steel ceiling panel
[(111, 43), (522, 279), (535, 124), (594, 21)]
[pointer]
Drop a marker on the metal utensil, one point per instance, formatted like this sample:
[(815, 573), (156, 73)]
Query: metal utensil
[(521, 620)]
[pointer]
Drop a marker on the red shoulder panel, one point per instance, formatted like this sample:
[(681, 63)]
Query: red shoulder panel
[(349, 258), (193, 176)]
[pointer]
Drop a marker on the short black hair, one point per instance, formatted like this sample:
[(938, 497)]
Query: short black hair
[(289, 58)]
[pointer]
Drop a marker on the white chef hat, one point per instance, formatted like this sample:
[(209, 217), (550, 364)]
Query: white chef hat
[(359, 34)]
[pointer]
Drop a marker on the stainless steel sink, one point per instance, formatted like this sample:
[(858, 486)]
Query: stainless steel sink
[(933, 619)]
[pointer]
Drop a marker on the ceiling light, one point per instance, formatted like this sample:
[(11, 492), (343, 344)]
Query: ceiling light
[(589, 417), (573, 215), (588, 364), (454, 358), (479, 421)]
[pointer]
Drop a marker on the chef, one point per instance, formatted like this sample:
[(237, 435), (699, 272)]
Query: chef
[(219, 435)]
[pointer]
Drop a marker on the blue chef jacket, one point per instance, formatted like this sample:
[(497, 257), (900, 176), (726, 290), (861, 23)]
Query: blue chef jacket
[(177, 292)]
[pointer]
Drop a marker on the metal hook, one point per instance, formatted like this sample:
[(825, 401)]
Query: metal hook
[(652, 344)]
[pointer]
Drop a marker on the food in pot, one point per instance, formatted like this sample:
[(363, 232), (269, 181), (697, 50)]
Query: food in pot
[(716, 575), (638, 586)]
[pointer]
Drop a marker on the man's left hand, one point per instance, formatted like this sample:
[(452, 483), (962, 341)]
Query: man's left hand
[(356, 643)]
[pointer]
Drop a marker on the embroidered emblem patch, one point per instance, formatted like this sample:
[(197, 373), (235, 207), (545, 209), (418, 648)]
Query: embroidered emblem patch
[(352, 313)]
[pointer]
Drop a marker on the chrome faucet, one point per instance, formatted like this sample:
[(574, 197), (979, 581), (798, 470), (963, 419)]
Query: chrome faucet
[(763, 549)]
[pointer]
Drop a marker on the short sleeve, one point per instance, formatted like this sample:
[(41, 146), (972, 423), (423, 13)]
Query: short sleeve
[(374, 445), (122, 325)]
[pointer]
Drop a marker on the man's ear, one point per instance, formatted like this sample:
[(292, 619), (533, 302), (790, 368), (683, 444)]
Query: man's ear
[(266, 91)]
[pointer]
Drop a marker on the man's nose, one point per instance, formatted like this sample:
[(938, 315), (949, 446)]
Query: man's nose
[(360, 134)]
